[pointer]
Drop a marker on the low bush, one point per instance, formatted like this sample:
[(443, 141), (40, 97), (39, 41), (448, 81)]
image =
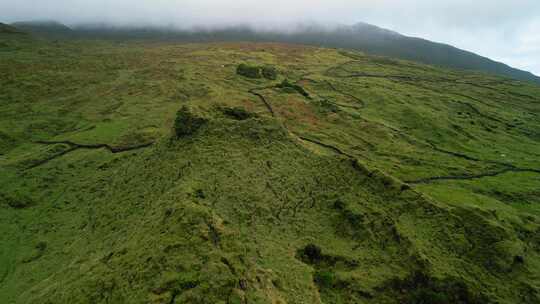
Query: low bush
[(325, 278), (16, 200), (249, 71), (328, 106), (419, 288), (237, 113), (269, 72), (311, 254), (289, 87), (186, 123), (257, 72), (427, 296)]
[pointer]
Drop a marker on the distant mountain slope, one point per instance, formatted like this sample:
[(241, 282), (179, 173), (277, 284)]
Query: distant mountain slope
[(375, 40), (7, 29), (362, 36), (44, 28)]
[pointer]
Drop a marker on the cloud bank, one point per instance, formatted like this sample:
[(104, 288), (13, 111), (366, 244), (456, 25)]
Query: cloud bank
[(504, 30)]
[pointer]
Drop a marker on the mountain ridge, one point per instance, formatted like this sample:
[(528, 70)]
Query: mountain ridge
[(360, 36), (48, 28), (8, 29)]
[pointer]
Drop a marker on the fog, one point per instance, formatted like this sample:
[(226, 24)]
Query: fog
[(504, 30)]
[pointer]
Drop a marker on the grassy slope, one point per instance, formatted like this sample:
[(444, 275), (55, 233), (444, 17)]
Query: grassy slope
[(223, 215)]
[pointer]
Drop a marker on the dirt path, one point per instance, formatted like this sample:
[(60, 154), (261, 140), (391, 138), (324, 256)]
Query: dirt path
[(262, 98), (112, 149), (324, 145), (75, 146), (470, 177), (333, 87)]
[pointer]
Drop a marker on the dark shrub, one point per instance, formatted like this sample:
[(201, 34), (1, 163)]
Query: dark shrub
[(199, 193), (419, 288), (291, 87), (237, 113), (339, 205), (428, 296), (269, 72), (312, 254), (249, 71), (16, 200), (326, 105), (324, 278), (187, 123)]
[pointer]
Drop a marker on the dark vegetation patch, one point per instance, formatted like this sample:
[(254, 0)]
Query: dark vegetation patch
[(37, 252), (289, 87), (237, 113), (249, 71), (327, 106), (369, 229), (491, 246), (312, 254), (257, 72), (325, 278), (187, 123), (419, 288), (332, 287), (6, 142), (174, 284), (16, 200), (269, 72)]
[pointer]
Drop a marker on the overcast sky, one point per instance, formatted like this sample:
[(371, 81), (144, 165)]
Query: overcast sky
[(504, 30)]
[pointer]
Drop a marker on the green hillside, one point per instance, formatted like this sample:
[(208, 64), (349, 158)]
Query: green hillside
[(148, 172)]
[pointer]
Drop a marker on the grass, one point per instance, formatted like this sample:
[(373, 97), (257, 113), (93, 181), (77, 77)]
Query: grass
[(343, 163)]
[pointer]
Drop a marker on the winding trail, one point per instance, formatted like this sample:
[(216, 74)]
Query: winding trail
[(507, 167), (112, 149), (470, 177), (504, 167), (75, 146), (262, 98), (327, 146), (480, 113), (52, 157), (333, 87)]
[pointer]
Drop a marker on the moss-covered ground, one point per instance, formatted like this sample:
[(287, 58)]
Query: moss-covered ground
[(347, 179)]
